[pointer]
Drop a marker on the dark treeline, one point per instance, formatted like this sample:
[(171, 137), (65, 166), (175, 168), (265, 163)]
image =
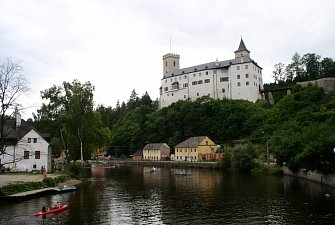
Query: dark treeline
[(299, 129)]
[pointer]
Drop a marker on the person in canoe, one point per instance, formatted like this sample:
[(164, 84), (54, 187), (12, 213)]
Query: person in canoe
[(55, 206), (44, 208)]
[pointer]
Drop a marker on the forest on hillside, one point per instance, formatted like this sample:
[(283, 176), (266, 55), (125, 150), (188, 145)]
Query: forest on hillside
[(298, 130)]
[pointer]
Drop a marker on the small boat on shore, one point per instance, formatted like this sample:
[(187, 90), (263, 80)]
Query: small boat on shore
[(52, 211), (65, 189), (180, 173)]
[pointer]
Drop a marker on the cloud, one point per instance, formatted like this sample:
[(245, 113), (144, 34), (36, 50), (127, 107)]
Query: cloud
[(118, 45)]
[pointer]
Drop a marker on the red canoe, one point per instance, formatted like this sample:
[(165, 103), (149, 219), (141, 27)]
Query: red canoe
[(51, 211)]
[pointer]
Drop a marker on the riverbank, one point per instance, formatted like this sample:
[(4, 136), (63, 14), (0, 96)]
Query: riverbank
[(175, 164), (19, 186), (10, 178), (311, 176)]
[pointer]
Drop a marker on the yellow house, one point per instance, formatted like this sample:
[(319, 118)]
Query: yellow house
[(193, 148), (156, 151)]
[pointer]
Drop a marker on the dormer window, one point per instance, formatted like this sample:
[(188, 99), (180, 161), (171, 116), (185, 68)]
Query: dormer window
[(175, 85)]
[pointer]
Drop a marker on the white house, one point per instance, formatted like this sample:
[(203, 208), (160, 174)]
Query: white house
[(26, 149), (238, 78)]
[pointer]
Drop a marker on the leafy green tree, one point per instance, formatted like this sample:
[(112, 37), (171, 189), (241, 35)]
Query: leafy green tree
[(327, 67), (294, 70), (311, 62), (70, 110)]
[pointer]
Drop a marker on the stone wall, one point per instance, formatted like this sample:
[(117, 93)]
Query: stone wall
[(328, 84), (312, 176)]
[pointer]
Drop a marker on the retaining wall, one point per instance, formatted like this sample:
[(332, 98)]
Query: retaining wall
[(328, 84), (312, 176)]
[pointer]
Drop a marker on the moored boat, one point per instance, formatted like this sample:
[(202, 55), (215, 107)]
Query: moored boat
[(180, 173), (66, 189)]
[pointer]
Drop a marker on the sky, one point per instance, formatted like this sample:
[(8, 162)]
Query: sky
[(118, 45)]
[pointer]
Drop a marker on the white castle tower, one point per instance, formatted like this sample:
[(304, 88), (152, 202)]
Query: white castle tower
[(237, 78)]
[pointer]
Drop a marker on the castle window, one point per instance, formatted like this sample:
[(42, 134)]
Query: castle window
[(165, 81), (199, 81), (172, 94), (223, 90), (165, 63), (238, 76), (185, 85), (238, 67), (206, 72), (185, 77), (194, 75), (184, 96), (199, 74), (238, 84), (174, 63), (207, 80), (166, 89), (246, 66), (223, 79), (246, 75), (197, 94), (247, 83), (194, 83)]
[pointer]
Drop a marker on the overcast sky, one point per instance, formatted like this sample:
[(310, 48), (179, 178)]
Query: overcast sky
[(118, 45)]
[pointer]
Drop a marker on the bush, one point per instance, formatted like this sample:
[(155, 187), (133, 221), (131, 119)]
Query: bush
[(49, 182), (75, 170), (273, 170)]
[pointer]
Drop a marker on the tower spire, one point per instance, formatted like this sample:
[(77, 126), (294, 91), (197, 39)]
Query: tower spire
[(242, 50)]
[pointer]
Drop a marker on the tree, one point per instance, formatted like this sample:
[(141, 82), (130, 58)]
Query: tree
[(70, 108), (327, 67), (294, 70), (311, 62), (12, 85), (279, 73)]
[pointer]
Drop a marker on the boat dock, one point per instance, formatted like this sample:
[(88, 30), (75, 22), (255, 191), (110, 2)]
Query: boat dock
[(27, 194)]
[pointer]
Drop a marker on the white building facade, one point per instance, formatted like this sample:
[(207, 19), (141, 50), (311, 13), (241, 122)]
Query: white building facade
[(238, 78), (25, 149)]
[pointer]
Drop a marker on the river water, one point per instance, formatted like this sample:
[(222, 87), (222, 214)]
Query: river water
[(134, 195)]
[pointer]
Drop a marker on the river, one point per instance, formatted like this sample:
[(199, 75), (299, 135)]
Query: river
[(134, 195)]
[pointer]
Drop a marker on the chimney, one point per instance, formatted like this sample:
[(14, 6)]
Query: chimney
[(18, 118)]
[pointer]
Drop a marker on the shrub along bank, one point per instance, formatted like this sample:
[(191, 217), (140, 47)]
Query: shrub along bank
[(14, 188)]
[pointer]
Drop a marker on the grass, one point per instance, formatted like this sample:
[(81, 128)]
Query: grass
[(15, 188), (271, 170)]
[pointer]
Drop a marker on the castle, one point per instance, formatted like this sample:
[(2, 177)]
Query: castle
[(238, 78)]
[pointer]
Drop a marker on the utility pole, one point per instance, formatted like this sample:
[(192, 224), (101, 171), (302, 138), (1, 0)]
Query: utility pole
[(267, 150)]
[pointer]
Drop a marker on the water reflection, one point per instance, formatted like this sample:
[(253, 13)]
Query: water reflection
[(135, 195)]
